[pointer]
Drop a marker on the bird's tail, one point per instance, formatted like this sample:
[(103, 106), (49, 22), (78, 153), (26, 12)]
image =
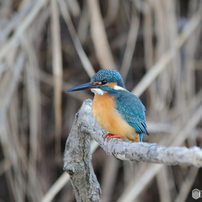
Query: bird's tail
[(141, 136)]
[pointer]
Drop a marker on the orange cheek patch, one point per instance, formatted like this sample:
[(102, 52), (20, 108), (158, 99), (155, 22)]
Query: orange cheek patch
[(112, 85)]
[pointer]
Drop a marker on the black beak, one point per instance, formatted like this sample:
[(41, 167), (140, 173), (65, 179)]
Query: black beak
[(83, 87)]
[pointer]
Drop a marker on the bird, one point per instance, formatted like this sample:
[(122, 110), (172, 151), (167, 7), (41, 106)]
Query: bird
[(117, 110)]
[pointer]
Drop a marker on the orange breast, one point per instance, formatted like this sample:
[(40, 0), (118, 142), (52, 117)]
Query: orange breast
[(103, 109)]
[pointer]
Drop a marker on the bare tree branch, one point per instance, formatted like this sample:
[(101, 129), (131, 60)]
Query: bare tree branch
[(77, 157), (142, 151)]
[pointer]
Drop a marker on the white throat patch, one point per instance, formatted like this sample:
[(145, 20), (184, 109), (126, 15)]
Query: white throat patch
[(98, 91)]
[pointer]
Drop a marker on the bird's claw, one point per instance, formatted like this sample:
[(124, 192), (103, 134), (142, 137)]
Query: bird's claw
[(113, 136), (108, 134)]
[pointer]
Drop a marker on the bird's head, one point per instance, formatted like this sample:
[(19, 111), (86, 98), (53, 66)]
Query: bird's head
[(106, 80)]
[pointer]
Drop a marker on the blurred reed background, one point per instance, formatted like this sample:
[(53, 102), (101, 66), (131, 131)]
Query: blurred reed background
[(48, 46)]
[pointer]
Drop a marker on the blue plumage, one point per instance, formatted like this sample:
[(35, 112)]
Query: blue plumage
[(127, 104), (133, 111), (109, 75)]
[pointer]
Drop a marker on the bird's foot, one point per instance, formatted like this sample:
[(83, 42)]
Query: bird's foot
[(116, 136), (113, 136), (108, 134)]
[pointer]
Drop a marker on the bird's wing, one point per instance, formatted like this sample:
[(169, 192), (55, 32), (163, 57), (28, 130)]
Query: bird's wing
[(133, 111)]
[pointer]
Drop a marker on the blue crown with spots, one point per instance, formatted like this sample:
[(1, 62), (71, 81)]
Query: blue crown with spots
[(109, 75)]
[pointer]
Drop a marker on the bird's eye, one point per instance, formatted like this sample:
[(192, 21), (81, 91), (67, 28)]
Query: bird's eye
[(104, 81)]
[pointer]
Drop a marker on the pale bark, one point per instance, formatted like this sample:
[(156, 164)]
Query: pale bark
[(77, 158)]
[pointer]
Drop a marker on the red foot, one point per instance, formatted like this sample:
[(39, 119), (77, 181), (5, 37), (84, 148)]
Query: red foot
[(108, 134), (113, 136), (116, 136)]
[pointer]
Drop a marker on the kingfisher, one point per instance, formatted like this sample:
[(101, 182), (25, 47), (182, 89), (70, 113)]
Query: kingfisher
[(117, 110)]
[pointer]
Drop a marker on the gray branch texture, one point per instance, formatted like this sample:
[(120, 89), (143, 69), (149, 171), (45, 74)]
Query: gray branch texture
[(77, 156)]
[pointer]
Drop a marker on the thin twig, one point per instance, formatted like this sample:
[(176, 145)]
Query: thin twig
[(57, 72), (84, 59), (99, 37), (166, 58), (130, 47), (21, 29)]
